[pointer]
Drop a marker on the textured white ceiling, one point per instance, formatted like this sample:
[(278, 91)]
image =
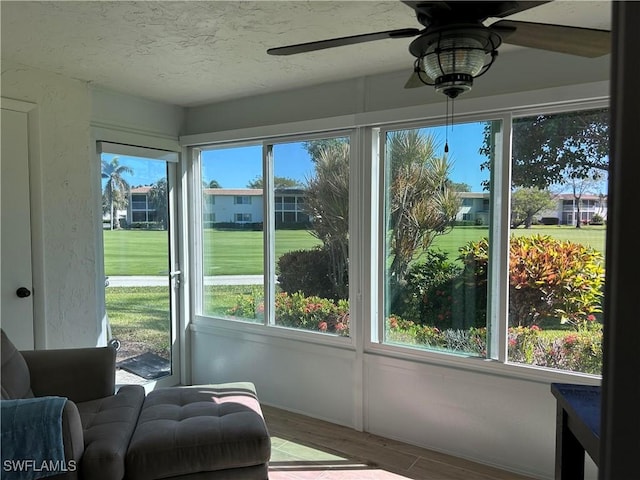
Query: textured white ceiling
[(194, 52)]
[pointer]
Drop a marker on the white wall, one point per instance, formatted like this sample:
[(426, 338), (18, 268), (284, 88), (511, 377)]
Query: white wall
[(518, 71), (497, 420), (494, 418), (64, 269), (225, 208), (65, 185)]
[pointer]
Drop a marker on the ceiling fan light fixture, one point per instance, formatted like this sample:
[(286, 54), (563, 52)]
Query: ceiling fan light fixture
[(453, 57)]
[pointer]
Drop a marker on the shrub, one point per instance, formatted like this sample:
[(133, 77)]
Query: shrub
[(280, 225), (298, 311), (246, 305), (597, 220), (471, 341), (548, 278), (427, 296), (579, 351), (550, 221), (553, 278), (222, 226), (306, 271), (312, 313)]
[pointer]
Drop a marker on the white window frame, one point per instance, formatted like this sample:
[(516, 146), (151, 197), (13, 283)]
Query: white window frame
[(268, 326), (365, 267)]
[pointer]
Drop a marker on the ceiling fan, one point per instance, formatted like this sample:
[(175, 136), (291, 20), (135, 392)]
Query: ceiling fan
[(455, 46)]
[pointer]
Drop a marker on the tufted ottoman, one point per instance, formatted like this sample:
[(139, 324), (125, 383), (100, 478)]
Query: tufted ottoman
[(200, 432)]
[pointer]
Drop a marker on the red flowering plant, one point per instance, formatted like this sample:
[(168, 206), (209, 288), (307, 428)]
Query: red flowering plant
[(246, 306), (312, 313), (579, 351), (298, 311), (406, 332)]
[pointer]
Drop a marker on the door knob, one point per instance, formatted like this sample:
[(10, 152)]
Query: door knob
[(23, 292)]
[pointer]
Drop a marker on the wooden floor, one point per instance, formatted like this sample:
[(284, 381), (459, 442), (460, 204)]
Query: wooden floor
[(309, 449)]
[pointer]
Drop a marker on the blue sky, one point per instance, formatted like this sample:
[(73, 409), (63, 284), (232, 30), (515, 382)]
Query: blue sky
[(145, 171), (291, 160)]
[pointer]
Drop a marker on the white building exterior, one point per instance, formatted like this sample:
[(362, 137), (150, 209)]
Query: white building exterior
[(567, 208), (475, 208)]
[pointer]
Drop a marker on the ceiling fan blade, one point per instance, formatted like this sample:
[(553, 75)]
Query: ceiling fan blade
[(504, 9), (584, 42), (467, 11), (339, 42)]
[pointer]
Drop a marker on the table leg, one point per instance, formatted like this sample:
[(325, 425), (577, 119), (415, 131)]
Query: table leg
[(569, 451)]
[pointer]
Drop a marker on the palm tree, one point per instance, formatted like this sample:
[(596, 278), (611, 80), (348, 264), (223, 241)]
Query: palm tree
[(327, 202), (421, 203), (115, 187), (158, 198)]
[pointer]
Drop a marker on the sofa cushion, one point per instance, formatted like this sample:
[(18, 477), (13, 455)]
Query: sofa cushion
[(15, 377), (108, 424), (205, 428)]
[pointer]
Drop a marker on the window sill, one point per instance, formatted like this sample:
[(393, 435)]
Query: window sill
[(416, 356), (482, 365), (206, 324)]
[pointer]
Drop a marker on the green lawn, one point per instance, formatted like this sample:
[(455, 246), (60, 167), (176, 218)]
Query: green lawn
[(141, 314), (593, 236), (144, 252)]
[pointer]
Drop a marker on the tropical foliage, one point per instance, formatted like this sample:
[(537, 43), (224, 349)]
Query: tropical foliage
[(327, 203), (421, 202), (526, 203), (158, 196), (548, 279), (116, 188), (278, 182), (549, 149)]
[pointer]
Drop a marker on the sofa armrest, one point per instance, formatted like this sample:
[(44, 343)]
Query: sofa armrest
[(72, 438), (36, 431), (80, 374)]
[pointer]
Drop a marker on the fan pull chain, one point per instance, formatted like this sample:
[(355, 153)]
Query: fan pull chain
[(446, 124), (446, 129)]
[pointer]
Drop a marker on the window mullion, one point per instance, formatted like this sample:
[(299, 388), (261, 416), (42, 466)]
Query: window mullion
[(197, 231), (379, 237), (268, 226), (499, 244)]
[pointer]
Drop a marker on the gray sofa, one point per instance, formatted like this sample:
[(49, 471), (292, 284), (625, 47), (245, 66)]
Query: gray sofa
[(187, 433)]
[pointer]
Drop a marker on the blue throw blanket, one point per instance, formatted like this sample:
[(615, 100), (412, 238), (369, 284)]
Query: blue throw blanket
[(32, 445)]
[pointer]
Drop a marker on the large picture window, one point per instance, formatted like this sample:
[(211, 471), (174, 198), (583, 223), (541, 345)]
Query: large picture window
[(453, 256), (436, 216), (282, 258), (488, 237), (232, 234), (558, 229)]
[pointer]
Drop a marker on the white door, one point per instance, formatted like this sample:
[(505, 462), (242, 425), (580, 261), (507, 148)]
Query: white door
[(15, 242)]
